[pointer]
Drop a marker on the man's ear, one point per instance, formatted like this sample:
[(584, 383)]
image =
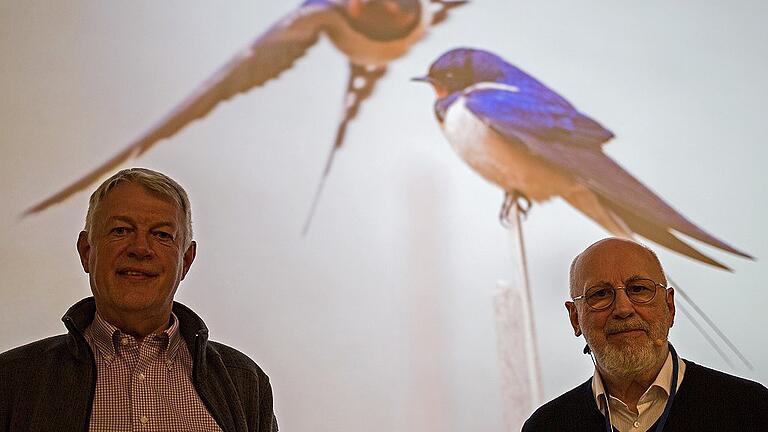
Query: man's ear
[(84, 249), (670, 300), (573, 316), (189, 257)]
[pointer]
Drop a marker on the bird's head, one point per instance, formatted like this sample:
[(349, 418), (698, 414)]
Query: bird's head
[(460, 68), (384, 20)]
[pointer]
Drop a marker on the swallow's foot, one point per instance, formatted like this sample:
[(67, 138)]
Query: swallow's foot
[(513, 201)]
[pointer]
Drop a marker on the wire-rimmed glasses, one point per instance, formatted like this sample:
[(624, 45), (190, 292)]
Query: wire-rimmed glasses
[(601, 297)]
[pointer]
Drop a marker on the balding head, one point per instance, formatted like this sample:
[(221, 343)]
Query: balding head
[(609, 249)]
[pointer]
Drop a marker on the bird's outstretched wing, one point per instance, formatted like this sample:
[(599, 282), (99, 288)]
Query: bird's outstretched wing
[(362, 81), (558, 139), (264, 59)]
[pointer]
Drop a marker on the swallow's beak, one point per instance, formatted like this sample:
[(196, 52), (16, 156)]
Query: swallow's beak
[(448, 4), (425, 79)]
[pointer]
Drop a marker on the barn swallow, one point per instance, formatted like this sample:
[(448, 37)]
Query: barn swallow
[(370, 33), (520, 135)]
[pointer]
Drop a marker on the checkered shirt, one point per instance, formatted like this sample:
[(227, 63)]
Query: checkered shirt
[(146, 386)]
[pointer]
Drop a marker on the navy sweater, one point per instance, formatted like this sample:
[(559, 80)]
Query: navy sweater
[(707, 400)]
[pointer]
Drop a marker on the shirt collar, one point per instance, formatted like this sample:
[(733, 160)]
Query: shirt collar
[(104, 336), (662, 382), (174, 338), (107, 337)]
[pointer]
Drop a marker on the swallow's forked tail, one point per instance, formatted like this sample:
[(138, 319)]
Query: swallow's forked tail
[(360, 86)]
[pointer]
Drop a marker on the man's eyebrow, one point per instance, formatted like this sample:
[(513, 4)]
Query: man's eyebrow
[(627, 280), (125, 219), (131, 221), (164, 224)]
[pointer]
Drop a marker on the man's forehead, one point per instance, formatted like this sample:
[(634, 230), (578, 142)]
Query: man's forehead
[(137, 189), (132, 200)]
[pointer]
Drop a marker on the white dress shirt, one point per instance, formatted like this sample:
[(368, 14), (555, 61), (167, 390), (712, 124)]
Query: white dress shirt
[(651, 404)]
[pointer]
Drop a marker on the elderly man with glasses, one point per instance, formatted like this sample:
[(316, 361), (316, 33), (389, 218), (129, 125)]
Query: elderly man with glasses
[(622, 305)]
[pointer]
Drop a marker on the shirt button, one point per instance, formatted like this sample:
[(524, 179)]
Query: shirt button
[(144, 419), (636, 424), (124, 341), (141, 377)]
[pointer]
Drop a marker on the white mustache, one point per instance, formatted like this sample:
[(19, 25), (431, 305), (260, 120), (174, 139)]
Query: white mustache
[(627, 326)]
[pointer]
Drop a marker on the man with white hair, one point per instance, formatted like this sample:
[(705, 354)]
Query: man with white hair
[(622, 305), (133, 359)]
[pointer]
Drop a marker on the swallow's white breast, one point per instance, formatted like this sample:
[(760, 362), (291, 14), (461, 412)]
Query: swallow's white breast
[(364, 51), (503, 162)]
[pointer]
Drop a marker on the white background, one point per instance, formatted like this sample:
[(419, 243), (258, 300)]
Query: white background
[(381, 318)]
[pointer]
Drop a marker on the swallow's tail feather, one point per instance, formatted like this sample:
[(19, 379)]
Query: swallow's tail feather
[(661, 235), (622, 223), (640, 208), (362, 81)]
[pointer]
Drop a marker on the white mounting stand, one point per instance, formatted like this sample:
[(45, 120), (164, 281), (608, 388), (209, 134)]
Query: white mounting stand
[(516, 337)]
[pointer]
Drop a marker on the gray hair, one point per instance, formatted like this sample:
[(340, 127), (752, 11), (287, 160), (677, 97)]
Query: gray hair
[(651, 253), (154, 181)]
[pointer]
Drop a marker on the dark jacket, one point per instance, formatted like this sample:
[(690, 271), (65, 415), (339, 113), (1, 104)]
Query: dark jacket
[(49, 385), (707, 400)]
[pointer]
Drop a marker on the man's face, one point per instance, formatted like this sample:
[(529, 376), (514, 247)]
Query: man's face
[(626, 338), (135, 257)]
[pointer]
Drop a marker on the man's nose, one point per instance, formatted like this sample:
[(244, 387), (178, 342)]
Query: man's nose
[(140, 247), (622, 305)]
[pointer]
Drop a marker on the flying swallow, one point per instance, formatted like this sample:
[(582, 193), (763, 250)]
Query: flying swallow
[(370, 33), (520, 135)]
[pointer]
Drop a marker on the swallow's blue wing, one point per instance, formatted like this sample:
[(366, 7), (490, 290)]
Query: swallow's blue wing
[(269, 55), (566, 140), (537, 113)]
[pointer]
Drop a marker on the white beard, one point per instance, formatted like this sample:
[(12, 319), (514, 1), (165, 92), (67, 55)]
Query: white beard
[(628, 360), (632, 359)]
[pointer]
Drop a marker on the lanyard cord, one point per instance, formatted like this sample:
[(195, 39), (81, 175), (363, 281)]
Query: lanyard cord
[(667, 407), (608, 425), (672, 392)]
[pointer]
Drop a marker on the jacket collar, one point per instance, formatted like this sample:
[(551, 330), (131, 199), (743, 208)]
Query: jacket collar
[(191, 326)]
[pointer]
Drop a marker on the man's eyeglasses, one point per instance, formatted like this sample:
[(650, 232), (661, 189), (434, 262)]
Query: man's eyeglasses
[(601, 297)]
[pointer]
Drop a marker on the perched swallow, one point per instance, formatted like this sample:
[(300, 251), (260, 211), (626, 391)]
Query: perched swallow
[(522, 136), (370, 33)]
